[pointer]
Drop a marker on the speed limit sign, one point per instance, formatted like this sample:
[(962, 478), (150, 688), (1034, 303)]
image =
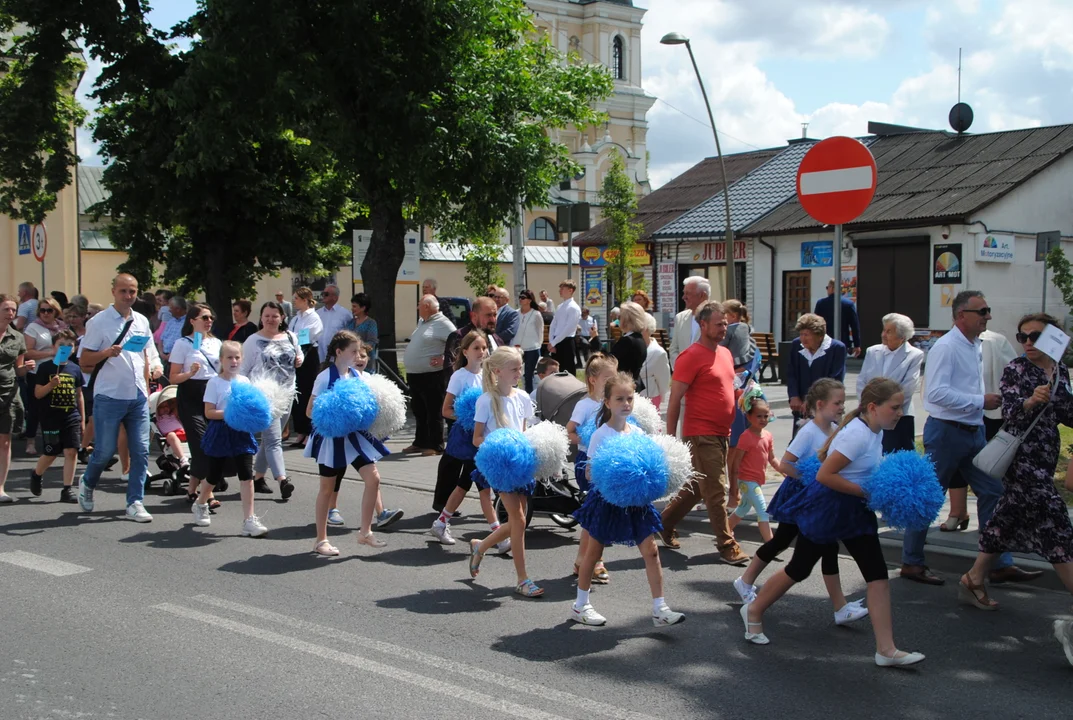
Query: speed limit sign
[(39, 242)]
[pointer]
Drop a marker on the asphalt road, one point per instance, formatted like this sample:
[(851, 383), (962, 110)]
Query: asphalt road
[(104, 618)]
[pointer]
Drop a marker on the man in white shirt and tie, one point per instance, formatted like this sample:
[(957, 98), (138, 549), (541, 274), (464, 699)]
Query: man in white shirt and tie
[(563, 328), (332, 316), (120, 341), (954, 432), (696, 291)]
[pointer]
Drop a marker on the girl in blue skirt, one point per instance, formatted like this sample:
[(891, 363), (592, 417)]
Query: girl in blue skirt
[(609, 524)]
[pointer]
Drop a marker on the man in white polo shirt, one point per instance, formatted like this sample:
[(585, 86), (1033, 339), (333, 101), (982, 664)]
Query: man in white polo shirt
[(119, 341), (333, 316)]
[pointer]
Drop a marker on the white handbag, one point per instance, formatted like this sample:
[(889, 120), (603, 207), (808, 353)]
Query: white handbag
[(997, 456)]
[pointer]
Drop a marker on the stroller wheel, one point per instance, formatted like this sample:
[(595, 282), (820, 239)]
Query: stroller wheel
[(564, 521), (170, 487)]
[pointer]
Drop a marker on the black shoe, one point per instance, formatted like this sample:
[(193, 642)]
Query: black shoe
[(111, 463), (221, 486), (35, 484), (260, 486), (83, 455), (285, 488), (68, 495)]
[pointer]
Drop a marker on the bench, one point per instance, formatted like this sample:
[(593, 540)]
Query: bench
[(769, 355)]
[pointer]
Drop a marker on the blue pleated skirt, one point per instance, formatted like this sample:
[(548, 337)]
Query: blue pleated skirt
[(343, 451), (223, 441), (581, 466), (825, 515), (613, 525), (783, 505), (460, 443)]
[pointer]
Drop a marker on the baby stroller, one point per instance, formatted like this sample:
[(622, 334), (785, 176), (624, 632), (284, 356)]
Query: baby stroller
[(172, 472), (556, 497)]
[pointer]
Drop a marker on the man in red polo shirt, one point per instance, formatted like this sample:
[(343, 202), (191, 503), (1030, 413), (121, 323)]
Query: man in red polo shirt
[(704, 376)]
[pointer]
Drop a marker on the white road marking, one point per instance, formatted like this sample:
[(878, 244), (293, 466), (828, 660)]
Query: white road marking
[(588, 705), (59, 568), (829, 181), (426, 683)]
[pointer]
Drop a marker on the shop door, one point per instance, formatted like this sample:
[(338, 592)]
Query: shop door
[(892, 278), (796, 300)]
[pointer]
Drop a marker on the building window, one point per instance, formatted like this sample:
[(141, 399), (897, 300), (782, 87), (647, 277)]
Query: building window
[(618, 58), (542, 229)]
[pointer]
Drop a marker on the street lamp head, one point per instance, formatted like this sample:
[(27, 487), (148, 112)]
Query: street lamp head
[(674, 38)]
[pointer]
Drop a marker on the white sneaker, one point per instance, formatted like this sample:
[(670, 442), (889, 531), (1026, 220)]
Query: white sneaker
[(587, 615), (85, 495), (909, 658), (335, 517), (1063, 631), (746, 592), (666, 616), (253, 527), (136, 512), (443, 532), (201, 514), (124, 476), (503, 547), (850, 612), (5, 498)]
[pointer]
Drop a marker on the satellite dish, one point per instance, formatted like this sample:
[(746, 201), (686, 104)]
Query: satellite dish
[(961, 117)]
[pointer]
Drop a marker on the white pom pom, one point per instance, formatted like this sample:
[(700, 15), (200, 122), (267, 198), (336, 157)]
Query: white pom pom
[(280, 398), (392, 415), (647, 416), (551, 444), (679, 461)]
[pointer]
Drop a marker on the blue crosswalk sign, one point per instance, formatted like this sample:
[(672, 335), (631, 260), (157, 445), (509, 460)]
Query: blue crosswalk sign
[(24, 239)]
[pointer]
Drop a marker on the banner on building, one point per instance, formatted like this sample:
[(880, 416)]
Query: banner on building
[(817, 254), (594, 287), (667, 287), (599, 255), (994, 248), (849, 282), (947, 269), (717, 252), (409, 272)]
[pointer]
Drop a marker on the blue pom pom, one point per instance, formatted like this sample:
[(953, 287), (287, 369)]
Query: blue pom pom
[(586, 429), (248, 409), (630, 470), (905, 491), (807, 468), (507, 460), (347, 407), (466, 407)]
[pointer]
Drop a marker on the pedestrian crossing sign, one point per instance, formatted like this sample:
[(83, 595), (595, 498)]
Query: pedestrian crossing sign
[(24, 239)]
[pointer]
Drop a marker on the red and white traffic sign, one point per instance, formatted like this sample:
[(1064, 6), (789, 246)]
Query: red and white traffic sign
[(39, 242), (836, 180)]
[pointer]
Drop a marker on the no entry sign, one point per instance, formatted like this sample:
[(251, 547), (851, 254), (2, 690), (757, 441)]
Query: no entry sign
[(836, 180)]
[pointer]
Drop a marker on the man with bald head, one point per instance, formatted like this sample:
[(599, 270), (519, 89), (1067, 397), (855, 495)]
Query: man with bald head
[(424, 364), (118, 351)]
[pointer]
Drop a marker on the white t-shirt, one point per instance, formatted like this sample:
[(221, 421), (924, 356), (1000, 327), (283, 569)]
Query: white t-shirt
[(462, 380), (603, 433), (218, 390), (586, 407), (320, 385), (41, 336), (184, 354), (518, 407), (862, 447), (808, 441)]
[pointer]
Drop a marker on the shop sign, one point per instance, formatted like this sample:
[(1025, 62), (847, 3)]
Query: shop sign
[(947, 269), (601, 255), (717, 252), (994, 248)]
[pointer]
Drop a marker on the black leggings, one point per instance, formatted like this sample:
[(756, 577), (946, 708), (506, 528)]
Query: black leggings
[(218, 466), (784, 535), (338, 473), (864, 549)]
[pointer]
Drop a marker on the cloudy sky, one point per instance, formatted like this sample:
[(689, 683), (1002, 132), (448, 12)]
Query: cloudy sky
[(770, 65)]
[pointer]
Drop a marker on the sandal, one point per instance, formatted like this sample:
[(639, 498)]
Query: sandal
[(214, 504), (954, 524), (528, 588), (326, 548), (191, 498), (975, 595), (475, 557), (599, 574)]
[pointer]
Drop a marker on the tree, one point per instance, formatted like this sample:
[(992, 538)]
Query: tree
[(483, 255), (619, 203)]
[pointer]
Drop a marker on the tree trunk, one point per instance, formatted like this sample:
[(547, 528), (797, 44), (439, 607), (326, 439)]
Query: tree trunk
[(387, 246), (218, 286)]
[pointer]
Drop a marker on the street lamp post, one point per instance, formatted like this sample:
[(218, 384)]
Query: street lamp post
[(731, 286)]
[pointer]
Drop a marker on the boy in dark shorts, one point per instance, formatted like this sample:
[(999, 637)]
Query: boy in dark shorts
[(61, 412)]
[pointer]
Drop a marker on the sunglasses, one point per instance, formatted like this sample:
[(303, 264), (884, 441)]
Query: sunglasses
[(982, 312), (46, 311), (1032, 337), (205, 317)]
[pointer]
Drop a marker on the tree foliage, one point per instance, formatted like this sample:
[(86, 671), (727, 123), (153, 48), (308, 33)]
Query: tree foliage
[(618, 201), (483, 255)]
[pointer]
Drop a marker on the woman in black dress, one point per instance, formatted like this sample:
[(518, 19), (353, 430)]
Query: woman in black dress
[(631, 350)]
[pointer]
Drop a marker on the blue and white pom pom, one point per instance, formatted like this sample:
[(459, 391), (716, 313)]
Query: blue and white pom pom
[(586, 429), (247, 409), (391, 403), (905, 491), (646, 416), (280, 397), (551, 445), (807, 468), (466, 407), (507, 460), (347, 407), (630, 470), (679, 464)]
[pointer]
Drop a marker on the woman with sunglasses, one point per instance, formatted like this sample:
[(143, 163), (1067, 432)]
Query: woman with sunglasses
[(39, 335), (195, 359), (530, 334)]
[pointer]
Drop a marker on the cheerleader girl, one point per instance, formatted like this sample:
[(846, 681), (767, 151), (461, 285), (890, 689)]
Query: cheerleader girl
[(825, 403), (359, 449), (503, 405), (460, 451), (833, 509), (221, 443), (609, 524), (598, 370)]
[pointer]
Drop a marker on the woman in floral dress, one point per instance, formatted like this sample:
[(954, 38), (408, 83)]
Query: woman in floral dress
[(1031, 517)]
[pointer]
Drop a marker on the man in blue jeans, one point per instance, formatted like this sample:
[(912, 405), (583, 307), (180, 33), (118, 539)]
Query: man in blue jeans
[(954, 433), (117, 348)]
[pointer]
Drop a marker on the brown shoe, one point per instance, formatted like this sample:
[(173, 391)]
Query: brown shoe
[(732, 555), (411, 449), (670, 539), (1013, 574), (428, 453), (921, 574)]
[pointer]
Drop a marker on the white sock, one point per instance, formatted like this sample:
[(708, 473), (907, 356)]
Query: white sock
[(582, 598), (494, 526), (445, 517), (657, 603)]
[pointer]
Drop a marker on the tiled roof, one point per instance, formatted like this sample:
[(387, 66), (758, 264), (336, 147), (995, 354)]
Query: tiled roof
[(751, 197), (534, 254), (930, 177), (90, 190), (684, 193)]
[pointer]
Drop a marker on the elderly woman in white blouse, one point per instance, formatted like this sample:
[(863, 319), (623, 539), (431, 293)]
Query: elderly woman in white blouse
[(656, 370), (896, 359)]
